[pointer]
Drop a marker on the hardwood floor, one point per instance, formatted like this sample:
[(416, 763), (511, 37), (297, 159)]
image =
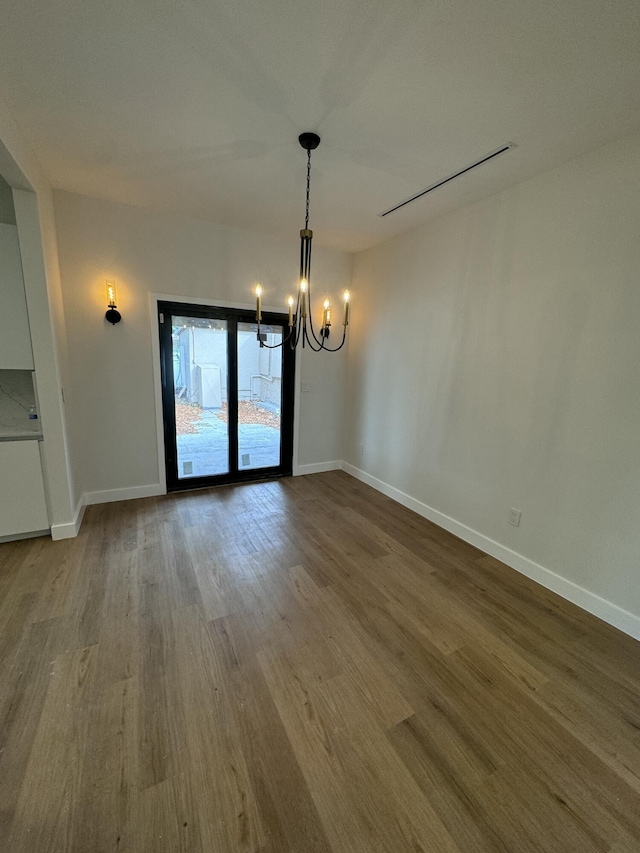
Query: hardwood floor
[(303, 666)]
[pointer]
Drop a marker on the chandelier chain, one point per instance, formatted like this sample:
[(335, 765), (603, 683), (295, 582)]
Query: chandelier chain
[(306, 217)]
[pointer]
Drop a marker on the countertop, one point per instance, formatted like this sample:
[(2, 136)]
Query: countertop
[(7, 434)]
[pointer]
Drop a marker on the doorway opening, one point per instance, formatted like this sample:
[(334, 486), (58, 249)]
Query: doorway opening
[(227, 402)]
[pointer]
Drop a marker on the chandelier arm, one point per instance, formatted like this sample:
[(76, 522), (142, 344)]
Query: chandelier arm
[(335, 349), (276, 346), (319, 342), (313, 334), (306, 258), (309, 341), (298, 328), (299, 319), (284, 340)]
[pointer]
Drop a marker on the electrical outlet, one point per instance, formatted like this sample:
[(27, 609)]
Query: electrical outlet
[(514, 517), (306, 387)]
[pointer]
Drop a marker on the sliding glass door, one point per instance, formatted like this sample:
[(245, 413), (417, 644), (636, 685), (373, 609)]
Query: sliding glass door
[(227, 401)]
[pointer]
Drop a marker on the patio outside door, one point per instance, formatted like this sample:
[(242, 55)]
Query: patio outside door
[(227, 401)]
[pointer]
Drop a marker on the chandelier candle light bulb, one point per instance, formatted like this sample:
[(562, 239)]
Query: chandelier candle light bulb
[(346, 297), (290, 303), (326, 317), (259, 303), (303, 298)]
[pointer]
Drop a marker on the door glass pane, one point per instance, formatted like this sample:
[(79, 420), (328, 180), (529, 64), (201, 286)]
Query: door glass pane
[(259, 397), (200, 387)]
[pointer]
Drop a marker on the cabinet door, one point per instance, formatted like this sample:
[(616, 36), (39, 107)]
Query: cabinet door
[(23, 508), (15, 339)]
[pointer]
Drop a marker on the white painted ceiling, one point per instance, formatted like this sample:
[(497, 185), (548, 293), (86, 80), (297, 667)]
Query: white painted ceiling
[(196, 106)]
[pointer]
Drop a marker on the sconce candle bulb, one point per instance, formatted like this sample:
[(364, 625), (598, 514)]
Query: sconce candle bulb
[(112, 315)]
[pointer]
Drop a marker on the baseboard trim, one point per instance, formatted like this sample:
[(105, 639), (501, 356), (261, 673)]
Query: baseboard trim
[(317, 468), (30, 534), (584, 598), (70, 529), (132, 493)]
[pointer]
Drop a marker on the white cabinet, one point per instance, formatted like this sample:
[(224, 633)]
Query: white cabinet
[(15, 339), (23, 508)]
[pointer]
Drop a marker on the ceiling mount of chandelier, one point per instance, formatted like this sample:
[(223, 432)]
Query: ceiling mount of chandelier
[(300, 315)]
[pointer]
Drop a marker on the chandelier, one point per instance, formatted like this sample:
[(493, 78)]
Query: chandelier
[(300, 316)]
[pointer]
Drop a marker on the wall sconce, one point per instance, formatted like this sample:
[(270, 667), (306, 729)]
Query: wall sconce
[(112, 315)]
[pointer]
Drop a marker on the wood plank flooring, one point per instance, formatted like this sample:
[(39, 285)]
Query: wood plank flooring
[(303, 666)]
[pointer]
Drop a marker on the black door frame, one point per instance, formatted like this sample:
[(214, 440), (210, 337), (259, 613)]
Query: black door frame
[(232, 316)]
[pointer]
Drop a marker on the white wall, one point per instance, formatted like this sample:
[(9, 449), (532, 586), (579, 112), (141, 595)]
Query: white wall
[(496, 366), (15, 338), (7, 212), (39, 253), (111, 393)]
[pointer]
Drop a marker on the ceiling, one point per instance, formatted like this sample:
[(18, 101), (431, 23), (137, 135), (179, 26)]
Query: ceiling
[(196, 106)]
